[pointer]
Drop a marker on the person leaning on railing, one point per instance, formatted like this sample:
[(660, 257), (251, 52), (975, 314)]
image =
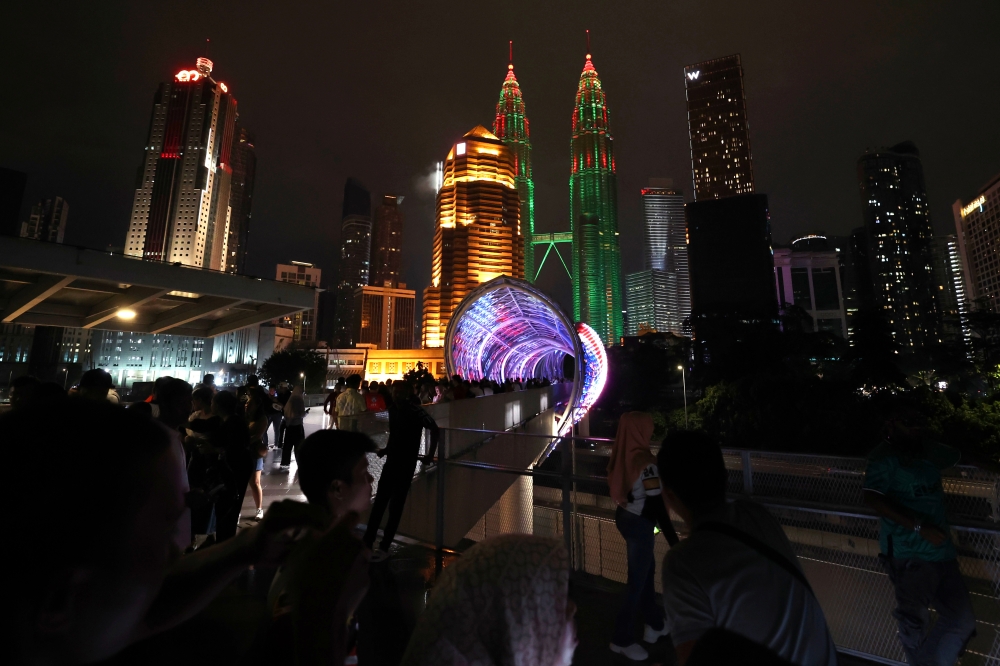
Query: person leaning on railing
[(903, 486)]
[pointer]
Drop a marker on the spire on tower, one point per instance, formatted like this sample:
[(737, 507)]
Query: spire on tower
[(510, 62), (588, 45)]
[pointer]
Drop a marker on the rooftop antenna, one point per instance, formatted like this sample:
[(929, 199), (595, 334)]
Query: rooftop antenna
[(207, 45), (510, 63), (588, 45)]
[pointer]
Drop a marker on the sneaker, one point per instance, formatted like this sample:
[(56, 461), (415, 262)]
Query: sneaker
[(379, 556), (634, 652), (651, 635), (260, 514)]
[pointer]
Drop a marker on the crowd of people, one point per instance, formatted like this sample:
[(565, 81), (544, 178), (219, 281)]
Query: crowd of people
[(179, 464)]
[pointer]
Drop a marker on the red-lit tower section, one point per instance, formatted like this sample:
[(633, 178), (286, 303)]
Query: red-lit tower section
[(593, 205), (180, 212), (511, 126)]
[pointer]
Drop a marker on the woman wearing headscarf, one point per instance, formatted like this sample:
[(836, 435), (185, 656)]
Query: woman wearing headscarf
[(503, 603), (634, 482)]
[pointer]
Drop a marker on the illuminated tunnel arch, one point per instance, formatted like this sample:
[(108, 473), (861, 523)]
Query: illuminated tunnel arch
[(509, 328)]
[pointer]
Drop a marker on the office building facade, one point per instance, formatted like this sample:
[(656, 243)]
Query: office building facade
[(244, 165), (666, 250), (646, 302), (730, 260), (384, 316), (512, 127), (303, 323), (131, 357), (898, 233), (180, 212), (977, 232), (721, 162), (387, 243), (593, 211), (949, 283), (477, 230), (355, 256), (47, 221), (807, 275)]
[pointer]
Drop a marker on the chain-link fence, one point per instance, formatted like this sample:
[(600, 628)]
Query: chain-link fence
[(496, 487)]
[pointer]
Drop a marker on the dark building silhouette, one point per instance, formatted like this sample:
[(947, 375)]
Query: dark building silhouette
[(12, 184), (387, 243), (721, 164), (355, 256), (898, 238), (730, 261), (244, 165), (47, 221)]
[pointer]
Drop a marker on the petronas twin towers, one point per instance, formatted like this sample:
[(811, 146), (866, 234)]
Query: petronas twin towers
[(462, 207)]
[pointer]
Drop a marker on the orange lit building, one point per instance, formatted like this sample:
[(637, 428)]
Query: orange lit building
[(477, 233)]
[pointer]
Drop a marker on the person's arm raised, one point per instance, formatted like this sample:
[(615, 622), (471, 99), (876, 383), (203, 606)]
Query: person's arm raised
[(196, 579)]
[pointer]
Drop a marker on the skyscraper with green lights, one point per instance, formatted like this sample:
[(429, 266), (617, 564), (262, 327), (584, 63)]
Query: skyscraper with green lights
[(511, 127), (593, 212)]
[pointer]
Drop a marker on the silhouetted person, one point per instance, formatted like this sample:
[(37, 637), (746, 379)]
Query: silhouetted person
[(95, 385), (21, 389), (295, 429)]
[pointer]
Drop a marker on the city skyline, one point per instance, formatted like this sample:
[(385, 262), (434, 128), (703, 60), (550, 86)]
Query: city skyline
[(786, 100)]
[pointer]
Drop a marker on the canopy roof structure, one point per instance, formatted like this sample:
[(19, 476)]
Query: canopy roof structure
[(508, 328), (50, 284)]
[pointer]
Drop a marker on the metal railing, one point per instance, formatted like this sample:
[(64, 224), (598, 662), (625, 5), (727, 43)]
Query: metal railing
[(498, 487)]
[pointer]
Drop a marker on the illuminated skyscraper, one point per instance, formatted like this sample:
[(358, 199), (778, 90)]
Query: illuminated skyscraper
[(978, 233), (667, 252), (721, 165), (180, 212), (244, 163), (387, 242), (593, 212), (898, 232), (477, 232), (511, 126)]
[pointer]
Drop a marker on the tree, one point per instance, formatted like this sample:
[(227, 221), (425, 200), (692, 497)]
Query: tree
[(289, 365)]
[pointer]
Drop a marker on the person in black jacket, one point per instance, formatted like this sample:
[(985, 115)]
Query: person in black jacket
[(406, 425)]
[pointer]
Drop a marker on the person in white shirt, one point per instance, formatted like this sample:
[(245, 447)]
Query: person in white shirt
[(737, 570), (634, 482)]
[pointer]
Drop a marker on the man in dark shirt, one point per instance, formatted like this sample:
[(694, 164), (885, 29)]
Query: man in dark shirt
[(406, 425)]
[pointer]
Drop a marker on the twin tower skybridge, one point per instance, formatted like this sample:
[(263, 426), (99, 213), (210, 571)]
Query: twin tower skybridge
[(549, 241)]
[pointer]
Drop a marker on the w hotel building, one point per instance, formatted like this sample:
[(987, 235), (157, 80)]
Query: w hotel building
[(977, 226), (181, 210), (477, 232)]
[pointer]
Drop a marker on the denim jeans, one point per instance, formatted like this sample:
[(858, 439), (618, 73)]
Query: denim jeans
[(920, 584), (640, 595)]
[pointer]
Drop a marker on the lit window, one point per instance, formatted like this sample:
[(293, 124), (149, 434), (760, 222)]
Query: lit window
[(460, 149)]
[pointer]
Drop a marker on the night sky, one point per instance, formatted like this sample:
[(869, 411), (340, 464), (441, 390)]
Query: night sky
[(380, 91)]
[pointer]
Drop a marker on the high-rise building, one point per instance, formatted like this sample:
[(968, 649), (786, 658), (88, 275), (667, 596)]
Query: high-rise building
[(721, 165), (47, 221), (730, 259), (180, 212), (807, 275), (593, 212), (646, 296), (244, 164), (511, 126), (384, 316), (130, 356), (12, 184), (302, 323), (977, 226), (666, 237), (898, 231), (949, 283), (355, 256), (477, 230), (387, 242)]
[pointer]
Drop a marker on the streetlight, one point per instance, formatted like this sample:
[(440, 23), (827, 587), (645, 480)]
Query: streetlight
[(684, 384), (65, 377), (302, 376)]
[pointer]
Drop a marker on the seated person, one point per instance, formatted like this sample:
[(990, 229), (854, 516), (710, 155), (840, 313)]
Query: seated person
[(91, 587), (736, 571)]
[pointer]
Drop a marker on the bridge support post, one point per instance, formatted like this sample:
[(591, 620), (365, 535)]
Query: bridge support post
[(567, 504), (439, 508), (747, 472)]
